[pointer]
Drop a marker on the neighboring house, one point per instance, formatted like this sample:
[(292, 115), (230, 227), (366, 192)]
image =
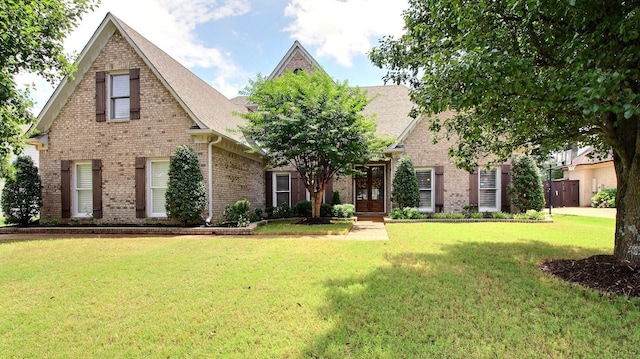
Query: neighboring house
[(106, 135), (593, 173)]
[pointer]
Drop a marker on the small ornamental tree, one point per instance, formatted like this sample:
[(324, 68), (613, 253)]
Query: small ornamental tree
[(314, 124), (525, 190), (405, 185), (186, 192), (22, 192)]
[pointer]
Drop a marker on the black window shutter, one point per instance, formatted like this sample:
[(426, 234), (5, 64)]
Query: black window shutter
[(504, 182), (101, 96), (134, 94), (268, 180), (473, 189), (439, 188), (96, 165), (65, 188), (141, 187)]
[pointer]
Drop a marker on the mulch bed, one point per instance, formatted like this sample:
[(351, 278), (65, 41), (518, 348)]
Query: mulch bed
[(604, 273)]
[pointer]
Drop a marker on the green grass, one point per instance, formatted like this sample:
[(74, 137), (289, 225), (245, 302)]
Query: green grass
[(471, 290), (290, 228)]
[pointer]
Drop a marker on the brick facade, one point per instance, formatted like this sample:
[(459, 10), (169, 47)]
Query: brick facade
[(76, 136), (423, 152)]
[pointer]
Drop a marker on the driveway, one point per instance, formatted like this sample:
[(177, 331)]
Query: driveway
[(584, 211)]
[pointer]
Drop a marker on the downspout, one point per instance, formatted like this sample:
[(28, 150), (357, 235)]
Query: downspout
[(210, 175)]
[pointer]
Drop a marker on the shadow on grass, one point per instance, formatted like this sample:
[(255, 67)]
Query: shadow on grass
[(474, 300)]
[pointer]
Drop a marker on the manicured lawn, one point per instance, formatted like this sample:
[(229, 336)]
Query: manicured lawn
[(290, 228), (469, 290)]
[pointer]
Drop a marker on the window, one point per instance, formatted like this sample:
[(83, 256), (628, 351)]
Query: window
[(425, 186), (281, 189), (83, 190), (488, 191), (158, 180), (119, 96)]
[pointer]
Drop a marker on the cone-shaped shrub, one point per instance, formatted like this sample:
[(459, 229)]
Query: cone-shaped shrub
[(525, 190), (186, 192), (22, 192), (405, 185)]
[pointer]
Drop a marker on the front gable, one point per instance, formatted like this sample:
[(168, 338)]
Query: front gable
[(296, 59)]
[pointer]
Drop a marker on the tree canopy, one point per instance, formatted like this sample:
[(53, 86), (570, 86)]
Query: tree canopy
[(312, 123), (532, 75), (31, 41)]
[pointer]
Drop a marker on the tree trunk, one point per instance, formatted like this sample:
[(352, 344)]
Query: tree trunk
[(316, 203), (627, 236)]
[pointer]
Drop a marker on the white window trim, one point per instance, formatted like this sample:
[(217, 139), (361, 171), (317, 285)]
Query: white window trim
[(274, 197), (149, 189), (109, 107), (76, 203), (432, 189), (324, 195), (498, 192)]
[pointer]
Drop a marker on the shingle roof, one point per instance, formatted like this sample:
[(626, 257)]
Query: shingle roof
[(590, 157), (208, 108), (390, 107)]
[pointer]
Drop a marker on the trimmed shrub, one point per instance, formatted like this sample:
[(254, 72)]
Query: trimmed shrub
[(281, 211), (500, 215), (326, 210), (526, 190), (605, 198), (531, 215), (406, 213), (238, 212), (302, 209), (186, 195), (343, 210), (335, 199), (405, 185), (22, 192)]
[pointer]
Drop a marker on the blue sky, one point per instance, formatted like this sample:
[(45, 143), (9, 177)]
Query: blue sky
[(227, 42)]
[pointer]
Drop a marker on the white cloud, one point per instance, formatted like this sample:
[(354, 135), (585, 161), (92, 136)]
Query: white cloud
[(344, 28)]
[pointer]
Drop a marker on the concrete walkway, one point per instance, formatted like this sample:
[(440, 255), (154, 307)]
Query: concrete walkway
[(368, 229), (584, 211)]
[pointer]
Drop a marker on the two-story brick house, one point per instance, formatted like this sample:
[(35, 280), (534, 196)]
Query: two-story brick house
[(106, 135)]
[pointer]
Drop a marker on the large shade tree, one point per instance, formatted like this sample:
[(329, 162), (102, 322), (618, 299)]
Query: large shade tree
[(310, 122), (536, 75), (31, 41)]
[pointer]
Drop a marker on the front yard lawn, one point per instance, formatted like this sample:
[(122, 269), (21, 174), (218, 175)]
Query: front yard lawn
[(289, 227), (472, 290)]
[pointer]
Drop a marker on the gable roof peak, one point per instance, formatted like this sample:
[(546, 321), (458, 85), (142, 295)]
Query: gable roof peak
[(206, 106), (296, 58)]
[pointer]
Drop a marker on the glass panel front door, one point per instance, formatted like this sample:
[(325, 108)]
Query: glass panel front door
[(369, 189)]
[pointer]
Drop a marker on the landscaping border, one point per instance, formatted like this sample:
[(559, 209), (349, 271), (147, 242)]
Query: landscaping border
[(146, 230), (466, 220)]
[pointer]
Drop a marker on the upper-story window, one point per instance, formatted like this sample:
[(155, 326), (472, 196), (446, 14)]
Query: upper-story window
[(119, 96)]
